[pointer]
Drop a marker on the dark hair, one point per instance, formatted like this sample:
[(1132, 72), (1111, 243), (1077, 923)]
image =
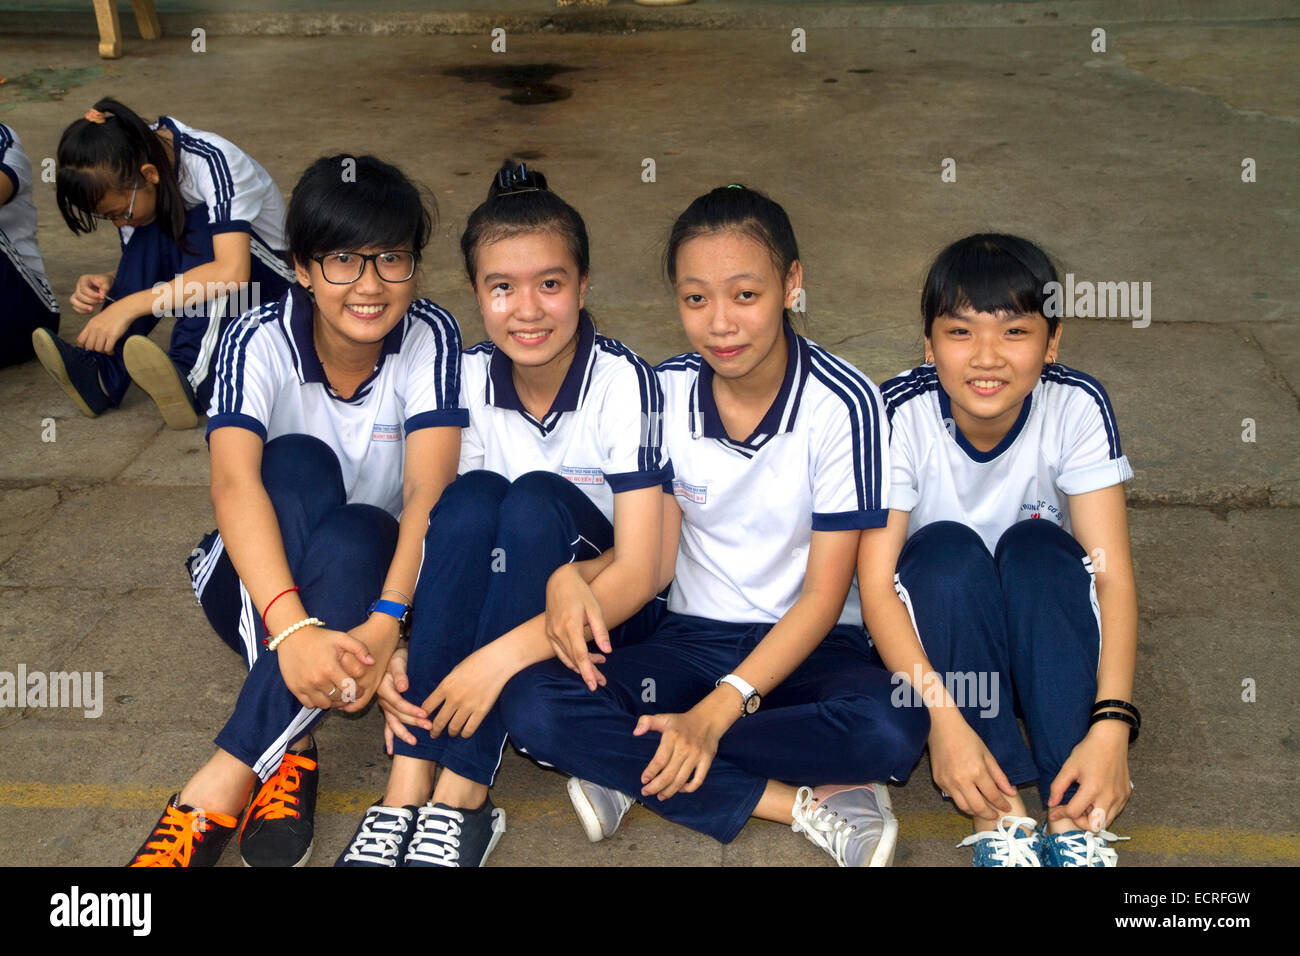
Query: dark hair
[(518, 201), (989, 272), (348, 202), (741, 209), (95, 158)]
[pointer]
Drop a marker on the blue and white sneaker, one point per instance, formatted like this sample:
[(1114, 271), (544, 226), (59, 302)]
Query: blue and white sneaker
[(1015, 842), (381, 838), (452, 836), (75, 369), (600, 810), (1080, 848)]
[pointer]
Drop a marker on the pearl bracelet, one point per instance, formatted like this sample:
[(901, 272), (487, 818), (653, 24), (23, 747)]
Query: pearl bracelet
[(305, 622)]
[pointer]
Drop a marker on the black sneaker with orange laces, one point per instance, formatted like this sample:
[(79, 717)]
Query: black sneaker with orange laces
[(279, 826), (186, 836)]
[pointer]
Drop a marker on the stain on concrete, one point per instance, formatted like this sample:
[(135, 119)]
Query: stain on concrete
[(529, 84), (45, 84)]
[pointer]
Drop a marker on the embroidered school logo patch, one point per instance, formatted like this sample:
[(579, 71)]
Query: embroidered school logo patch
[(386, 433), (582, 476), (1041, 509), (696, 493)]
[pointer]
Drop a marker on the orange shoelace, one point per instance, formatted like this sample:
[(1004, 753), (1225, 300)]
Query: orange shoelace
[(177, 833), (276, 800)]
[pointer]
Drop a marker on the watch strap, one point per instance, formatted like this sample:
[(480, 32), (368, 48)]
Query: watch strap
[(747, 691), (391, 608)]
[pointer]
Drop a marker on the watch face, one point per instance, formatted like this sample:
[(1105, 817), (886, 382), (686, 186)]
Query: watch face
[(752, 703)]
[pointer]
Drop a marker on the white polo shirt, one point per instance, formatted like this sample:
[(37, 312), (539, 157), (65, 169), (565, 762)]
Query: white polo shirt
[(602, 431), (1065, 442), (270, 381), (18, 219), (818, 461), (239, 193)]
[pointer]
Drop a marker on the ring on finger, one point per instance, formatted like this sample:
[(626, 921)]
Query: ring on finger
[(333, 690)]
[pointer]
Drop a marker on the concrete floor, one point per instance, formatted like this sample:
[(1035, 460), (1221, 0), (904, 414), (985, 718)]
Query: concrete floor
[(1125, 164)]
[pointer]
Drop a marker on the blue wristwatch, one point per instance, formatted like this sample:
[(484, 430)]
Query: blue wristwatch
[(393, 609)]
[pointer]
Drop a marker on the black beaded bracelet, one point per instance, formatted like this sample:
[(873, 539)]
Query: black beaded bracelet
[(1118, 715)]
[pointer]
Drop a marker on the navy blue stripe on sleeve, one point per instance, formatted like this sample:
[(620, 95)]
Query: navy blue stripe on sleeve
[(636, 480), (899, 390), (231, 358), (237, 421), (850, 520), (1068, 376), (864, 420), (650, 456), (232, 225), (446, 335), (219, 169), (458, 417)]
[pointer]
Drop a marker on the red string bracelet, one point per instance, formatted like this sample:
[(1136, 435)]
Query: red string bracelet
[(268, 608)]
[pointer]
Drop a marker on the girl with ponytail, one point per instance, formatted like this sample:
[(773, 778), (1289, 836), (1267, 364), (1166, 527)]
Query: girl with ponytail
[(202, 230), (561, 469)]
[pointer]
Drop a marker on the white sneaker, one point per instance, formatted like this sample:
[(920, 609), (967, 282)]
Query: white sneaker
[(1014, 843), (854, 824), (600, 809)]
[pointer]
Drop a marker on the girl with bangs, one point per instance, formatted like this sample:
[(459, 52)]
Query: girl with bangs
[(202, 233), (1008, 543), (333, 429)]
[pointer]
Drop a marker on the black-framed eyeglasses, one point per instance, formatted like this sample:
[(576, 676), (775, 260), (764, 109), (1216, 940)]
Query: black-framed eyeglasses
[(129, 210), (343, 268)]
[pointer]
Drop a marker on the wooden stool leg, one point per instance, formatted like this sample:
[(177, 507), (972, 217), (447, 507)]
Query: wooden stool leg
[(110, 29), (146, 17)]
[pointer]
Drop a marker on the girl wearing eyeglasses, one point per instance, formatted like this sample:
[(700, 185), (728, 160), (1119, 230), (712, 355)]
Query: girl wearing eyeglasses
[(201, 225), (334, 427)]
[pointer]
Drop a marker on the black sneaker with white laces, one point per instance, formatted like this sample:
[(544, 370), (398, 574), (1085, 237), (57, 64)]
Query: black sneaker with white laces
[(381, 838), (452, 836)]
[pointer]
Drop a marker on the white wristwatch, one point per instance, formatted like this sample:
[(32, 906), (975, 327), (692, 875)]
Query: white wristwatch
[(751, 699)]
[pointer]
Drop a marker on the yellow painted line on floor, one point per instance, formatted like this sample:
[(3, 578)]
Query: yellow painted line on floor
[(1250, 845), (78, 796)]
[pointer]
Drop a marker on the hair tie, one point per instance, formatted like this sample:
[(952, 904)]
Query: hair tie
[(735, 186), (514, 181), (95, 116)]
